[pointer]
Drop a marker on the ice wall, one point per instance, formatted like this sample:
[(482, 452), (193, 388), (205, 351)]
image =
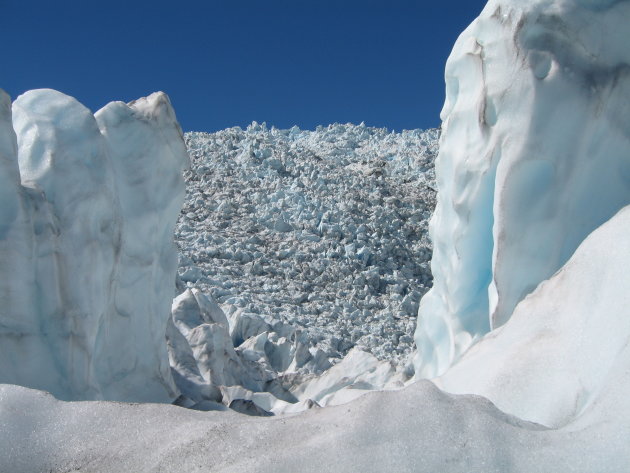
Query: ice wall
[(88, 261), (148, 157), (64, 159), (18, 321), (534, 155)]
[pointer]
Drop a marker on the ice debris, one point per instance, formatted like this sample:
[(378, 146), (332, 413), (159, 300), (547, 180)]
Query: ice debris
[(314, 244), (324, 231)]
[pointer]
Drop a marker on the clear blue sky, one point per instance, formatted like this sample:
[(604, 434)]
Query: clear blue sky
[(228, 62)]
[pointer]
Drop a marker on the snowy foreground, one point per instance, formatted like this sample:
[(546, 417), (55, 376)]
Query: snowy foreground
[(419, 428), (529, 307)]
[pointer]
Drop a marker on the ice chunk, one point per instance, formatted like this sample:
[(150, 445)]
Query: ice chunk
[(148, 157), (208, 350), (358, 369), (65, 159)]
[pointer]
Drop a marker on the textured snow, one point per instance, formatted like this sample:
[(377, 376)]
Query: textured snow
[(88, 260), (419, 428), (533, 157)]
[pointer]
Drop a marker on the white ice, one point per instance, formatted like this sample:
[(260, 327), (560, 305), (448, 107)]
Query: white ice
[(534, 156), (88, 260), (563, 347)]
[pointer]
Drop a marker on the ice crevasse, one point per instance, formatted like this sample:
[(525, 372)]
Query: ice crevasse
[(534, 156), (89, 203)]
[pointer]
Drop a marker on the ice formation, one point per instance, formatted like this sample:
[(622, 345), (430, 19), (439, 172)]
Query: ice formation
[(530, 241), (303, 258), (93, 198), (324, 231), (534, 156), (565, 344), (88, 209), (260, 368)]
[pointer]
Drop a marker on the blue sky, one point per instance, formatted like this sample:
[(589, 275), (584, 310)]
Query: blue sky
[(225, 63)]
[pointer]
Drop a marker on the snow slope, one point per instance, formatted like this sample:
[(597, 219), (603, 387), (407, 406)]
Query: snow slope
[(560, 350), (534, 156), (88, 262), (418, 429)]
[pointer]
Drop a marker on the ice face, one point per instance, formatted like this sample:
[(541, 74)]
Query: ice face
[(534, 156), (148, 156), (17, 310), (86, 245), (64, 158)]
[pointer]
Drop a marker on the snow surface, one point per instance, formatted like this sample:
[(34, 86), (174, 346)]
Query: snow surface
[(534, 156), (417, 429), (88, 261)]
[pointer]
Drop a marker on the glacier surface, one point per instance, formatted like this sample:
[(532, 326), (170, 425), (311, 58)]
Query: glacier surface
[(303, 256), (420, 428), (324, 231)]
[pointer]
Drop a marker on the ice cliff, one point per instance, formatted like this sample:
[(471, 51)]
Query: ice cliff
[(534, 156), (89, 204), (303, 256)]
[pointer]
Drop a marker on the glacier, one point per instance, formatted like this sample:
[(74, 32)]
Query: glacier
[(534, 156), (98, 195), (351, 259), (88, 259), (527, 324)]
